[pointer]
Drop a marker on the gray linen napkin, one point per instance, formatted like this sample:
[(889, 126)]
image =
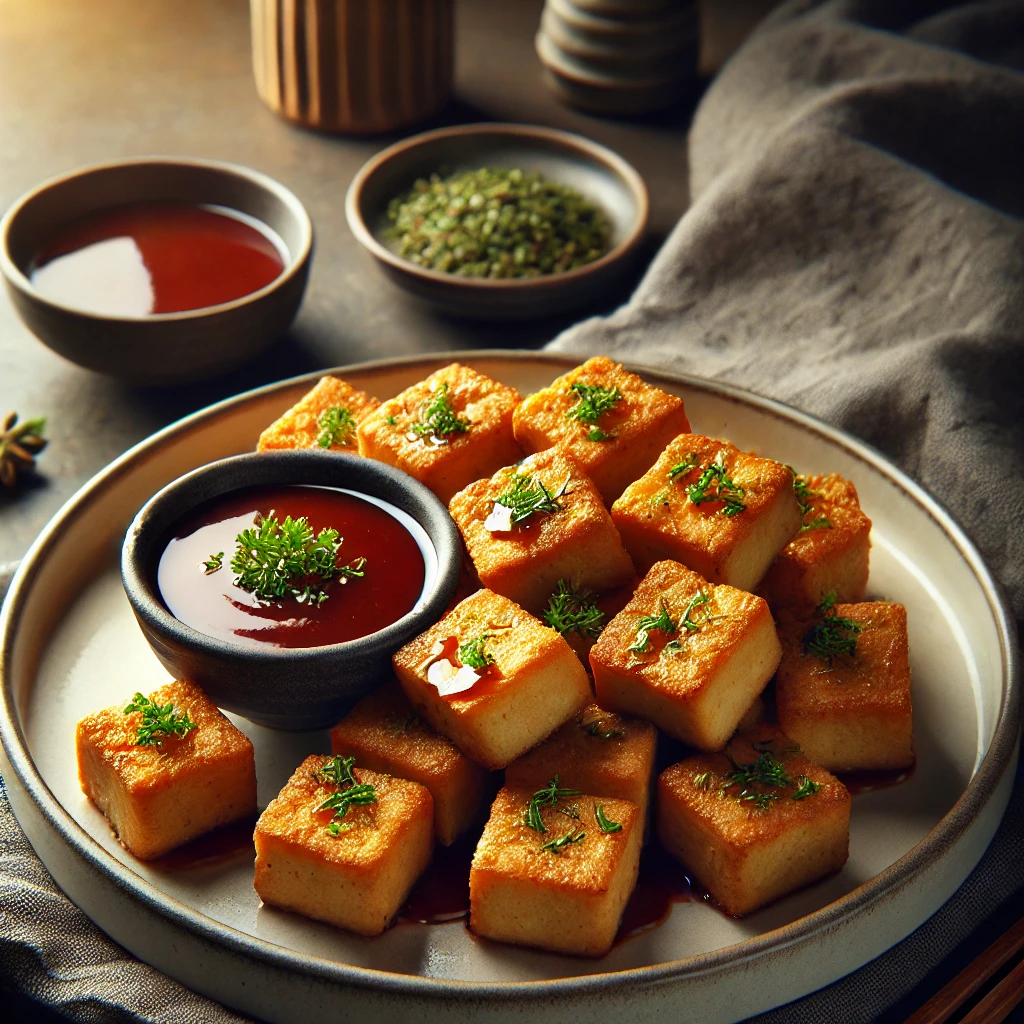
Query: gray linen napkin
[(854, 248)]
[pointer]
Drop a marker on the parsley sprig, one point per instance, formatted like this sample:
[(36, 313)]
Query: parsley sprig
[(571, 609), (682, 468), (646, 624), (472, 653), (159, 721), (833, 636), (549, 796), (337, 428), (604, 823), (438, 417), (351, 792), (279, 559), (752, 779), (527, 496), (714, 484), (592, 402)]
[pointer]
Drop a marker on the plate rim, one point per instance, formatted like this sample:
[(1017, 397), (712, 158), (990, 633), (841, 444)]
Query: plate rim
[(950, 829)]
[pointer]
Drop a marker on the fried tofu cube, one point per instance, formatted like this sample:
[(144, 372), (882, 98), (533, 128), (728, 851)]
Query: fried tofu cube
[(353, 870), (573, 540), (723, 513), (597, 752), (689, 655), (563, 889), (615, 446), (492, 678), (829, 554), (175, 786), (843, 686), (756, 824), (384, 734), (325, 417), (448, 430)]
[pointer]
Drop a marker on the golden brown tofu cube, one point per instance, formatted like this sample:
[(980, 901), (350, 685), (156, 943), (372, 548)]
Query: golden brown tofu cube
[(385, 735), (829, 554), (689, 655), (723, 513), (611, 422), (756, 824), (492, 679), (843, 686), (574, 540), (325, 417), (351, 869), (174, 786), (448, 430), (563, 889), (597, 752)]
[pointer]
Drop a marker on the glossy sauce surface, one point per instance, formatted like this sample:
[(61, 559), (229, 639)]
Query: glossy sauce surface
[(212, 604), (155, 258)]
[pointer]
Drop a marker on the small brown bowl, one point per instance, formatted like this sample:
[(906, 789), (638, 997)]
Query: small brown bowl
[(596, 172), (163, 348)]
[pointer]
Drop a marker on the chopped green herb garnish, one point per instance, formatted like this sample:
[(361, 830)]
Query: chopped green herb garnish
[(213, 563), (702, 780), (526, 496), (337, 428), (682, 468), (593, 401), (805, 787), (472, 653), (391, 420), (805, 496), (547, 797), (159, 721), (570, 837), (281, 559), (353, 793), (697, 601), (827, 602), (765, 772), (714, 484), (572, 609), (438, 417), (604, 823), (663, 622), (832, 637)]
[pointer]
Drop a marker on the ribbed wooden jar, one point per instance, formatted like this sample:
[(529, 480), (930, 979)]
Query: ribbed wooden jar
[(355, 66)]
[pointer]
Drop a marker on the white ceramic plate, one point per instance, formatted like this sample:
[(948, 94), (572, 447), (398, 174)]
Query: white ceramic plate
[(71, 645)]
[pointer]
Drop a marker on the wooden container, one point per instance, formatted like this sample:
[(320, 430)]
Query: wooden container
[(353, 66)]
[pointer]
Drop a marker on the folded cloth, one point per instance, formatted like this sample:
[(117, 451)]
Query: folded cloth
[(854, 248)]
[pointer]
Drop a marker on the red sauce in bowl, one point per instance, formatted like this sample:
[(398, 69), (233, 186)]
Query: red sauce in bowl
[(146, 258), (392, 583)]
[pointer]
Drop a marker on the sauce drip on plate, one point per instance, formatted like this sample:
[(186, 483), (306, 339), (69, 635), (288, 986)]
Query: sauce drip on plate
[(146, 258), (210, 602)]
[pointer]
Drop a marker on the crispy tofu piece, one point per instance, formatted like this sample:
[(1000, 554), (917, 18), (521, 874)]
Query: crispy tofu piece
[(531, 684), (308, 422), (617, 446), (358, 878), (568, 901), (830, 553), (525, 561), (701, 669), (597, 752), (158, 796), (749, 841), (849, 712), (385, 735), (663, 515), (478, 412)]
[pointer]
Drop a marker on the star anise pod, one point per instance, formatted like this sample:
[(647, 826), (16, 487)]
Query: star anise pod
[(20, 443)]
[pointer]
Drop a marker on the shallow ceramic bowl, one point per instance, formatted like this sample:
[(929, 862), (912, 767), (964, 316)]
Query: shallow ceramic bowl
[(165, 348), (285, 688), (596, 172)]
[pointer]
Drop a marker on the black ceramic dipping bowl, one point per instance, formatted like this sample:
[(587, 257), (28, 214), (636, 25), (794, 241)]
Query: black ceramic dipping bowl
[(283, 688)]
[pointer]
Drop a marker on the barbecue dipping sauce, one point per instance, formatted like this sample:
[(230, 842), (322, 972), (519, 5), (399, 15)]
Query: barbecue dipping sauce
[(392, 584), (155, 258)]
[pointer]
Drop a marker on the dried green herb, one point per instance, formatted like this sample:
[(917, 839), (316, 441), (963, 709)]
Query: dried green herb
[(551, 795), (496, 223), (714, 484), (805, 496), (527, 496), (570, 837), (833, 636), (592, 402)]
